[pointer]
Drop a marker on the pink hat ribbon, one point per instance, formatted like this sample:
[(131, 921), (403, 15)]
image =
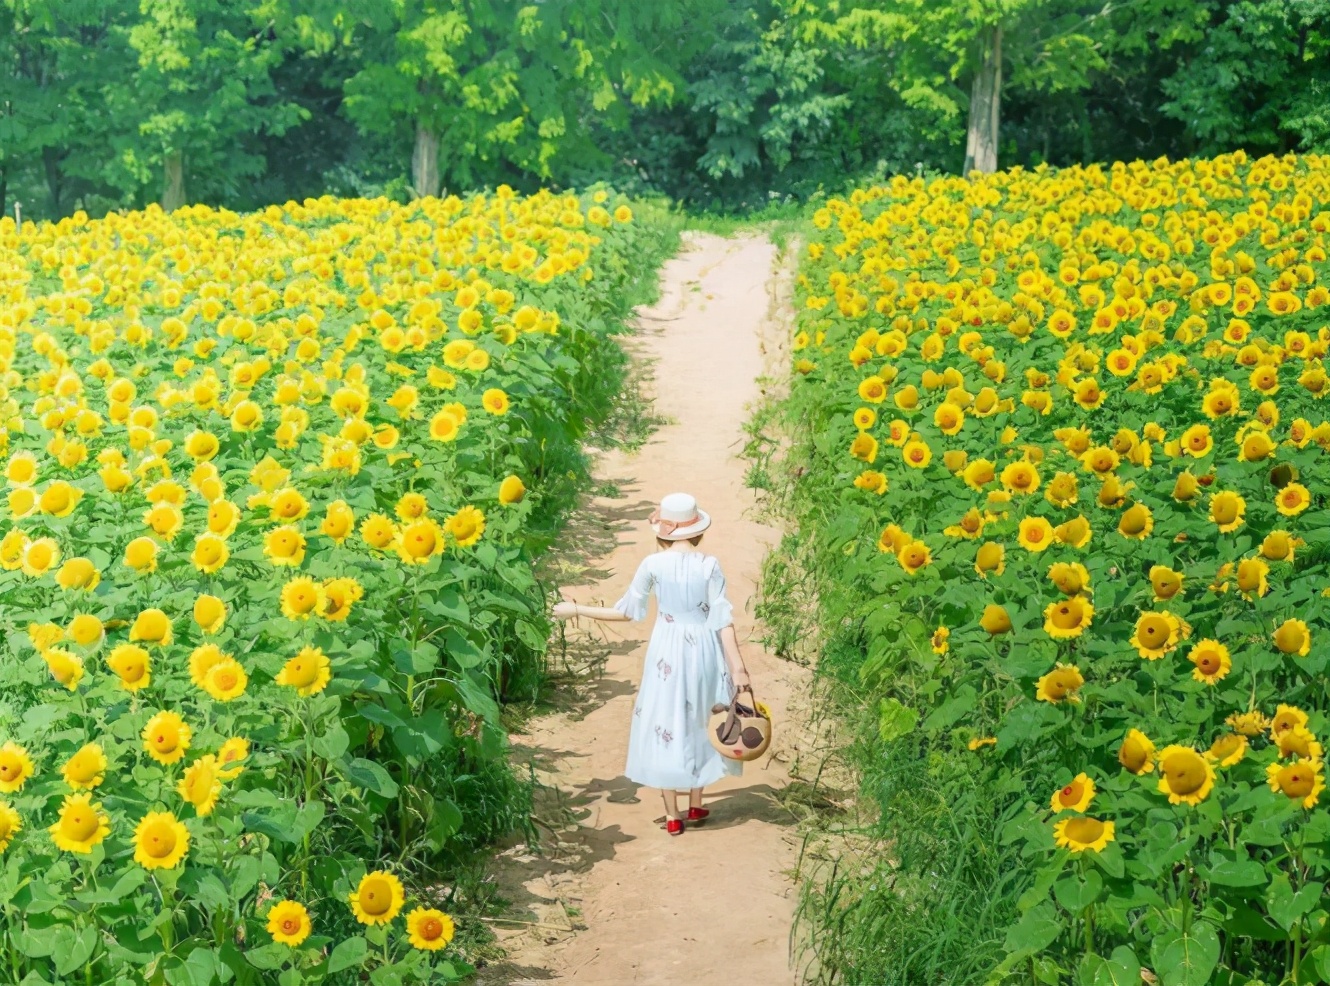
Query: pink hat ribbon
[(668, 527)]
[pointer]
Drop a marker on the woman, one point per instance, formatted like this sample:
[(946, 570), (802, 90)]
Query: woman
[(692, 662)]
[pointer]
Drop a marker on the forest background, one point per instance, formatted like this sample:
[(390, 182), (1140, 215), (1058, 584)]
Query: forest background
[(721, 105)]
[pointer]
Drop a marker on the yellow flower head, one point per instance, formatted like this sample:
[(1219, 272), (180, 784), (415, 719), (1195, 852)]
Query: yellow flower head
[(209, 613), (466, 526), (377, 899), (1293, 637), (429, 929), (166, 737), (288, 923), (225, 680), (1302, 780), (284, 546), (1137, 752), (1156, 634), (1067, 618), (303, 598), (232, 752), (65, 668), (1083, 834), (1060, 685), (1075, 796), (1184, 775), (308, 672), (160, 841), (80, 825), (10, 825), (1035, 534), (201, 784), (85, 769), (1210, 660), (152, 627), (1228, 749), (15, 767)]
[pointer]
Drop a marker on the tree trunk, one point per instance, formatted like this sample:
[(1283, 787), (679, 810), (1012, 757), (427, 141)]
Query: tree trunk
[(173, 188), (981, 138), (425, 162), (55, 182), (4, 190)]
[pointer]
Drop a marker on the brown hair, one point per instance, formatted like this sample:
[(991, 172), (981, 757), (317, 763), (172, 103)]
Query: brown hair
[(662, 543)]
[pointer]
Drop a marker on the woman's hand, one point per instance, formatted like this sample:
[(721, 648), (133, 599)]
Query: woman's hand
[(564, 610), (741, 680)]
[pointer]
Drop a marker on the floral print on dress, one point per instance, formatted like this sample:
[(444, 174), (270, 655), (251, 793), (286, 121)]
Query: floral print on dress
[(664, 668)]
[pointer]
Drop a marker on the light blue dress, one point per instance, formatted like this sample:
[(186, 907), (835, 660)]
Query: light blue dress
[(684, 675)]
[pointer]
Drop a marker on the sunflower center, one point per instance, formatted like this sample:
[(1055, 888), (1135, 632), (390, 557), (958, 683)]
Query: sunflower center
[(1084, 830), (165, 742), (1035, 535), (1133, 521), (431, 928), (1155, 629), (376, 898), (1067, 616), (1297, 782), (290, 926), (159, 841), (1289, 638), (1185, 772), (1071, 793), (1209, 663), (79, 824), (1225, 511)]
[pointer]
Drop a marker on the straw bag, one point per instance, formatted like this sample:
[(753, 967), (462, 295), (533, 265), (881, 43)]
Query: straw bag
[(740, 730)]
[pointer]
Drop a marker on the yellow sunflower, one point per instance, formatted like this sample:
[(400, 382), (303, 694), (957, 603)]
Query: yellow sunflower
[(15, 767), (152, 626), (1227, 509), (1302, 780), (308, 672), (284, 546), (1156, 635), (209, 613), (466, 526), (429, 929), (1292, 500), (225, 680), (914, 556), (1082, 834), (1035, 534), (1184, 775), (201, 785), (1165, 582), (1060, 685), (1228, 749), (86, 768), (1251, 723), (1137, 752), (1293, 637), (1076, 796), (289, 923), (1210, 660), (10, 825), (303, 598), (232, 752), (378, 898), (166, 737), (80, 825), (1067, 618), (160, 841)]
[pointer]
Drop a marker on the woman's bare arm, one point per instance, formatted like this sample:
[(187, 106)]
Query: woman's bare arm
[(566, 610), (729, 642)]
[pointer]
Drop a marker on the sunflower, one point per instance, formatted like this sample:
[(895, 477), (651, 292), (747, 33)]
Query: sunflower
[(1136, 522), (165, 520), (1035, 534), (226, 680), (1279, 546), (939, 641), (223, 518), (1068, 618), (1081, 834), (288, 923), (1226, 510), (1286, 717), (513, 490), (1156, 634), (201, 785), (914, 556), (81, 824), (995, 620), (1196, 441), (1071, 578), (991, 557), (209, 614), (495, 401), (1137, 752), (1165, 582), (1251, 577), (429, 929), (378, 531), (1292, 500), (419, 541), (1298, 742), (210, 553), (232, 752), (377, 898), (1076, 796), (1074, 533), (1293, 637), (1251, 723), (1062, 490), (78, 573), (308, 672), (166, 737), (969, 526), (85, 769), (303, 598), (1060, 685), (151, 626), (338, 521), (65, 668), (1228, 749), (1301, 780), (466, 526), (202, 659), (1020, 477), (15, 767), (141, 554), (160, 841), (284, 546), (1184, 775), (10, 825), (39, 557)]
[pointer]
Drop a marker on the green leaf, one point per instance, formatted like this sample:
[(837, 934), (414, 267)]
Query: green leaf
[(347, 954), (1186, 958), (1076, 894), (946, 714), (1034, 932), (1121, 969), (894, 719), (268, 957), (73, 949), (1285, 906), (334, 743), (370, 776), (1236, 873)]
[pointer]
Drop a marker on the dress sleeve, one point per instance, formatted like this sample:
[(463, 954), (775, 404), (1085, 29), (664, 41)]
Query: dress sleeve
[(634, 602), (721, 613)]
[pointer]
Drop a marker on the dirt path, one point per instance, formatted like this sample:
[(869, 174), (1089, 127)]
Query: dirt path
[(614, 899)]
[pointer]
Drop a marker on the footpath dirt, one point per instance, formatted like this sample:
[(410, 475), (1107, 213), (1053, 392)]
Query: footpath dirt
[(609, 897)]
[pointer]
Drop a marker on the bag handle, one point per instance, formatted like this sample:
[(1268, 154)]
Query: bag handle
[(752, 698)]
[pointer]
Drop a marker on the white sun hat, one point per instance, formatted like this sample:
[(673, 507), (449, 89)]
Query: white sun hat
[(678, 518)]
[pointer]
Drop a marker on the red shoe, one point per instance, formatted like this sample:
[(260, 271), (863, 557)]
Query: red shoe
[(698, 814), (674, 826)]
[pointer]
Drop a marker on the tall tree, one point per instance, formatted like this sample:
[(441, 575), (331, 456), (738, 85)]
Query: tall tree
[(488, 86)]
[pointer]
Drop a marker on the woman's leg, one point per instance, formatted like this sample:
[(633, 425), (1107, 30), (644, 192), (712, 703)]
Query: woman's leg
[(671, 799), (695, 798)]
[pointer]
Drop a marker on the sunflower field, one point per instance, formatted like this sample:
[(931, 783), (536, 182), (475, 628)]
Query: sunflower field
[(274, 484), (1066, 480)]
